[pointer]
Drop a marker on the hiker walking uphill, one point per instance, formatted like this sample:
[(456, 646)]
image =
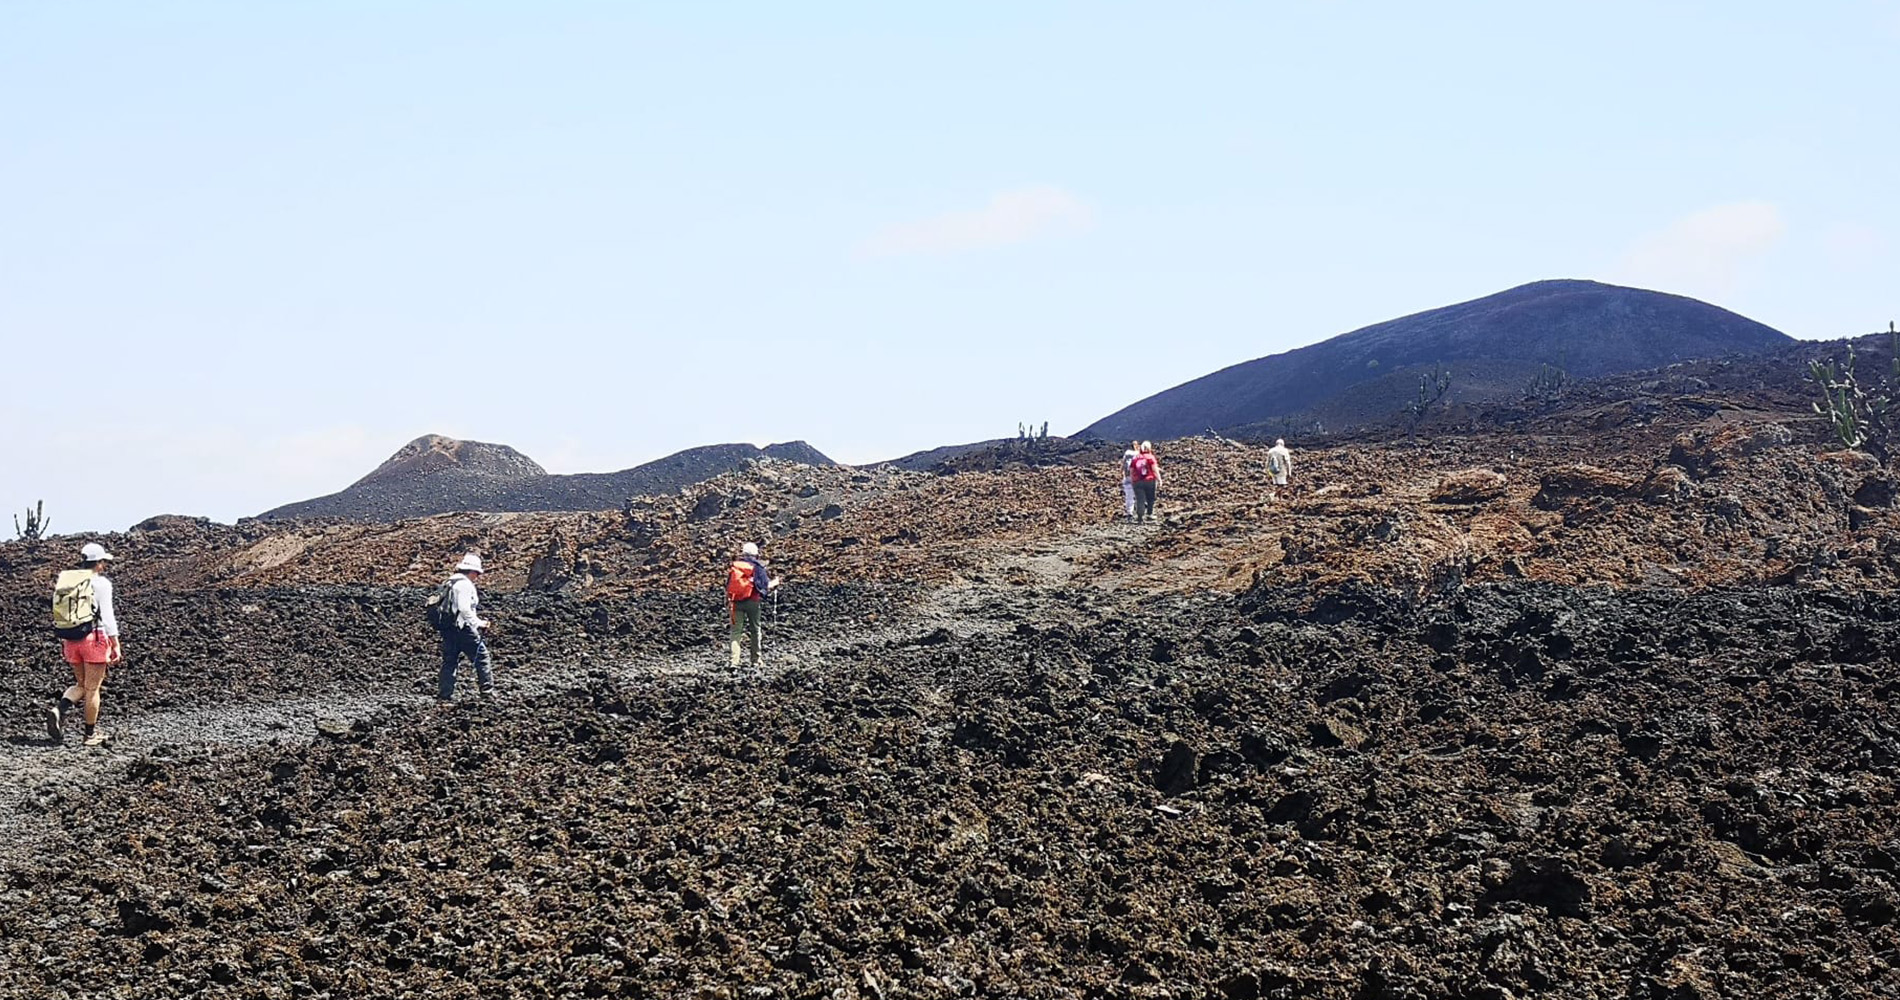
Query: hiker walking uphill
[(457, 616), (1279, 462), (747, 583), (88, 631), (1128, 482), (1145, 470)]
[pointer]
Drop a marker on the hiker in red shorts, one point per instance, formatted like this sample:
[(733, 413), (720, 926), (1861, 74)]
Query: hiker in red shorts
[(89, 638)]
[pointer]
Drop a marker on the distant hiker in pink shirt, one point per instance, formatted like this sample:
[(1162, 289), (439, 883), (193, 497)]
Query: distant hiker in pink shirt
[(1145, 471)]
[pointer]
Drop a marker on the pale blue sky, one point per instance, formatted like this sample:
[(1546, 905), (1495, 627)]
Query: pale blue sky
[(290, 238)]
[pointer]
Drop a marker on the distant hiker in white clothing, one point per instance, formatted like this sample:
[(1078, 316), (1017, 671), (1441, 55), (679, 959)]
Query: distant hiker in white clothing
[(1128, 479), (461, 628), (1279, 462)]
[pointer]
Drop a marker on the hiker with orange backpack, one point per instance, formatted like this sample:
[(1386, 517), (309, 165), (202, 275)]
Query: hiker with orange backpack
[(747, 583)]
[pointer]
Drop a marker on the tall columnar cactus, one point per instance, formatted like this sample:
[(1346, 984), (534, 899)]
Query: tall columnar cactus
[(1431, 389), (1857, 417), (1549, 382), (36, 522), (1838, 393)]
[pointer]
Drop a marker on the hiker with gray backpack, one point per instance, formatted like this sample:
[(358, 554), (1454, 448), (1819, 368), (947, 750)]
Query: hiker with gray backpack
[(1279, 462), (88, 632), (454, 610)]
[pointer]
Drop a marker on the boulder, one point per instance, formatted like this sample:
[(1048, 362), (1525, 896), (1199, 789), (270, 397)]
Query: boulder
[(1470, 486)]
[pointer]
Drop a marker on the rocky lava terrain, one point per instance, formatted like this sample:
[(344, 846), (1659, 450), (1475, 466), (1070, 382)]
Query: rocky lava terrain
[(1591, 699)]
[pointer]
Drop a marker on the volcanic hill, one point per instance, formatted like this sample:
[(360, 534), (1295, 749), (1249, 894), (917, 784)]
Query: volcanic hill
[(1494, 347), (435, 475)]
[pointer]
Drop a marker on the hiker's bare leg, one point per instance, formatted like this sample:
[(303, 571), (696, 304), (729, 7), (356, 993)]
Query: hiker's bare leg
[(77, 691), (91, 677)]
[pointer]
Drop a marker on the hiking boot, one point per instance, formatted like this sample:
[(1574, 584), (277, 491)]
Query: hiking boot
[(97, 737), (55, 724)]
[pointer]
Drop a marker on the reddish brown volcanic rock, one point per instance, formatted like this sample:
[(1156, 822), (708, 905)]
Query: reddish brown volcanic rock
[(1588, 697)]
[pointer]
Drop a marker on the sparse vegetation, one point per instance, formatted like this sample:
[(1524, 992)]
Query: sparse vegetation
[(1858, 415), (35, 527), (1030, 435), (1548, 383), (1290, 428), (1432, 387)]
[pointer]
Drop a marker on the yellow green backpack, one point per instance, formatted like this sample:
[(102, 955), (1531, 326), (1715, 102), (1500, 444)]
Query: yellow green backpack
[(75, 611)]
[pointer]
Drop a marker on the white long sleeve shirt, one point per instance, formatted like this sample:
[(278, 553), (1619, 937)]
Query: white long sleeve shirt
[(108, 624), (1279, 460), (466, 601)]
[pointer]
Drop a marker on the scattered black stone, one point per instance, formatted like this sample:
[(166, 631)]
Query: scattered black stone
[(1041, 810)]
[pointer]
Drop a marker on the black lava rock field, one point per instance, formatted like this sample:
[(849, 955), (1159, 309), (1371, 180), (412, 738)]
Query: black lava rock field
[(1508, 790)]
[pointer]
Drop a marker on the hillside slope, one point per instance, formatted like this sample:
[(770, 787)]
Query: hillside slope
[(1502, 340), (438, 475), (1589, 696)]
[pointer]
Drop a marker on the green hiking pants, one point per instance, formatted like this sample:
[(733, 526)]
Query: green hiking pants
[(745, 624)]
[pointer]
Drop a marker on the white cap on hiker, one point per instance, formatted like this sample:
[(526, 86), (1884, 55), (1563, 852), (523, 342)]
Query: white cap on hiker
[(470, 563), (93, 552), (749, 549)]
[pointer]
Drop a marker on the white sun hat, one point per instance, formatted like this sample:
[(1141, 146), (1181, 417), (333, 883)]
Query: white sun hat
[(93, 552), (470, 563)]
